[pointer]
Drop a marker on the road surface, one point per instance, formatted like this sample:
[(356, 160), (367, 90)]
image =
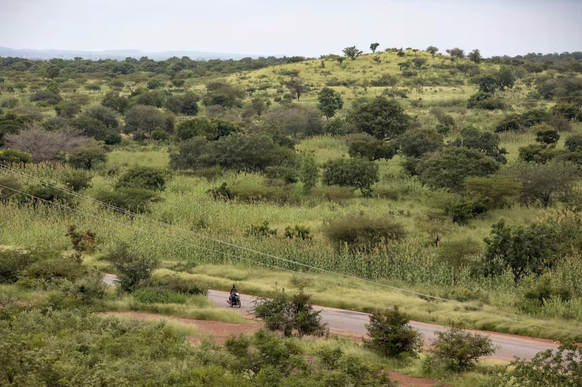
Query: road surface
[(354, 323)]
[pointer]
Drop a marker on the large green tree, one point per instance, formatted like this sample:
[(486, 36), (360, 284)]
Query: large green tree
[(382, 118), (354, 172), (329, 102)]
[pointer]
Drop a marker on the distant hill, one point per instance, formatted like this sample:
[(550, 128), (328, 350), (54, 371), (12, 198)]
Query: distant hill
[(115, 54)]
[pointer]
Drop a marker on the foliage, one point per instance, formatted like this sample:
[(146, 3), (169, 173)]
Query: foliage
[(391, 334), (83, 242), (559, 368), (309, 172), (360, 233), (371, 150), (418, 142), (486, 142), (542, 182), (298, 232), (453, 165), (495, 192), (133, 267), (129, 199), (352, 52), (142, 177), (9, 186), (178, 284), (262, 230), (14, 156), (382, 118), (510, 123), (545, 134), (91, 154), (105, 115), (486, 101), (459, 350), (141, 118), (354, 172), (197, 127), (77, 180), (329, 102), (290, 314)]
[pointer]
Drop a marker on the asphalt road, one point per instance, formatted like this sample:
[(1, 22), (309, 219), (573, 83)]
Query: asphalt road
[(354, 324)]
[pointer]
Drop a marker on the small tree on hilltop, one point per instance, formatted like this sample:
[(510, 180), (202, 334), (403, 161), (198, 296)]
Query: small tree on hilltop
[(432, 50), (352, 52), (373, 47), (475, 56), (330, 101), (391, 334), (456, 53)]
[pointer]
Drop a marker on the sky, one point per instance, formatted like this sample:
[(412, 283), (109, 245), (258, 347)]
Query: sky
[(293, 27)]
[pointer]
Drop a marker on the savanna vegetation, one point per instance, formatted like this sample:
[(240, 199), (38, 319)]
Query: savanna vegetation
[(448, 185)]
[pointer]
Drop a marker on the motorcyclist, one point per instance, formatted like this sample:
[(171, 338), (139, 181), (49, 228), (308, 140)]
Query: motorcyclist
[(232, 292)]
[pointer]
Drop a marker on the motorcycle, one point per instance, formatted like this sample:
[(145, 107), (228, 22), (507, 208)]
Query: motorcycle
[(234, 300)]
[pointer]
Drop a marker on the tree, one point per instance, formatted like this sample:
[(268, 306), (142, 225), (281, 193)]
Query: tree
[(358, 173), (197, 127), (391, 334), (382, 118), (417, 142), (285, 314), (192, 154), (573, 142), (371, 150), (142, 177), (88, 156), (67, 109), (545, 134), (141, 118), (134, 268), (129, 199), (116, 102), (373, 47), (432, 50), (460, 350), (522, 249), (475, 56), (309, 172), (419, 62), (223, 94), (295, 86), (505, 78), (456, 53), (45, 146), (495, 192), (352, 52), (449, 168), (487, 83), (330, 101), (103, 114), (458, 254), (486, 142), (542, 182), (486, 101)]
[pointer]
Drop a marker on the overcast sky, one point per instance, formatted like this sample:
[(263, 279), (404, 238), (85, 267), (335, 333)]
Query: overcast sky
[(293, 27)]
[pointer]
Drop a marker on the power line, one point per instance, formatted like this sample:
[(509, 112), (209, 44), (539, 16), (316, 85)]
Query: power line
[(508, 314)]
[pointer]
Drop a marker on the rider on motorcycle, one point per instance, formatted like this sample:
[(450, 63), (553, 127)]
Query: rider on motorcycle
[(232, 292)]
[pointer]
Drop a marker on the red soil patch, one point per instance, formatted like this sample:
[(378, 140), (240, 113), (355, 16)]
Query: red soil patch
[(220, 331)]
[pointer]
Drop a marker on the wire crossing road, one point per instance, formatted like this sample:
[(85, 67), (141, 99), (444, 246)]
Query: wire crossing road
[(354, 323)]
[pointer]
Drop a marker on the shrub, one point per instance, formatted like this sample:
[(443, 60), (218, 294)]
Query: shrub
[(14, 156), (12, 262), (151, 296), (297, 232), (485, 101), (51, 266), (209, 174), (288, 174), (46, 194), (197, 127), (373, 150), (545, 134), (133, 267), (262, 230), (289, 314), (486, 142), (144, 118), (459, 350), (535, 117), (12, 185), (179, 284), (142, 177), (221, 193), (82, 241), (391, 334), (129, 199), (495, 192), (89, 156), (77, 180), (47, 97), (358, 173), (382, 118), (459, 254), (358, 232), (418, 142), (573, 142), (332, 193), (510, 123)]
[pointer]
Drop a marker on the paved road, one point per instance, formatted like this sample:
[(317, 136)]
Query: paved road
[(354, 323)]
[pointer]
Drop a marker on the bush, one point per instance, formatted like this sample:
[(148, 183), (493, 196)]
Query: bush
[(77, 180), (89, 156), (47, 97), (459, 254), (13, 262), (12, 185), (133, 267), (82, 241), (197, 127), (485, 101), (142, 118), (418, 142), (459, 351), (290, 314), (178, 284), (262, 230), (391, 334), (357, 232), (45, 194), (332, 193), (358, 173), (382, 118), (14, 156), (151, 296), (142, 177), (298, 232), (51, 266), (573, 142), (545, 134), (510, 123), (129, 199), (373, 150), (289, 174)]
